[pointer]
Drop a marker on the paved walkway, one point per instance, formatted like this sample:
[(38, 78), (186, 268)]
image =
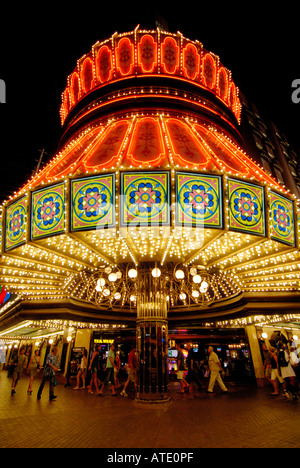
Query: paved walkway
[(246, 417)]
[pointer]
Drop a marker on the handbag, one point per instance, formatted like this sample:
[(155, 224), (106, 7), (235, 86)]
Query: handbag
[(179, 375)]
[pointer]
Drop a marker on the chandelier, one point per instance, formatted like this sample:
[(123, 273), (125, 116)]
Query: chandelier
[(166, 286)]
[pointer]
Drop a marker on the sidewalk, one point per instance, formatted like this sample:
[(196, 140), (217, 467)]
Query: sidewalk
[(246, 417)]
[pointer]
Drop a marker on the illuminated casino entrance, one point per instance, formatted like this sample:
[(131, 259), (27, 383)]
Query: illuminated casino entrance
[(152, 212)]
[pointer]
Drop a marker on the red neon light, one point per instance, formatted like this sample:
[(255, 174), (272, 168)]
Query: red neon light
[(146, 144), (104, 64), (105, 152), (232, 96), (74, 88), (170, 55), (87, 76), (125, 56), (223, 84), (147, 54), (186, 148), (223, 157), (191, 62), (70, 160), (209, 71)]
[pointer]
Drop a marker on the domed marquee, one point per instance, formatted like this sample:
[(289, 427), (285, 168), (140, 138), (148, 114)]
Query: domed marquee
[(149, 53)]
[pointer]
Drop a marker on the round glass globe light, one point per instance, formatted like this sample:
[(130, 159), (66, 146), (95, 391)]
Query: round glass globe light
[(132, 273), (112, 277), (197, 279), (156, 272), (179, 274)]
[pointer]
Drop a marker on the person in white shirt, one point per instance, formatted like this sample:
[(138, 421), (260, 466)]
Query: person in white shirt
[(215, 368)]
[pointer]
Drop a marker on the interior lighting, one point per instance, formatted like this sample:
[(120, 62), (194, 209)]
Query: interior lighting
[(197, 279), (132, 273), (179, 274), (112, 277), (204, 287), (156, 272)]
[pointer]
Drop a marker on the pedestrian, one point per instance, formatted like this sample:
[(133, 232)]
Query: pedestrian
[(192, 372), (33, 369), (19, 364), (267, 362), (132, 372), (184, 385), (215, 369), (94, 365), (275, 371), (295, 361), (287, 372), (49, 374), (82, 371), (116, 370), (110, 376)]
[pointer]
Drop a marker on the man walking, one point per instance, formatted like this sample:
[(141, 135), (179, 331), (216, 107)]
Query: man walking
[(49, 374), (110, 376), (192, 373), (215, 368)]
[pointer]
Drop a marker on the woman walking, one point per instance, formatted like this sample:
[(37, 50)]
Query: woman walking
[(33, 369), (82, 371)]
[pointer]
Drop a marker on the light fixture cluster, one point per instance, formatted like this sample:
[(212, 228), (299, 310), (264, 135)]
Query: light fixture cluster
[(179, 286)]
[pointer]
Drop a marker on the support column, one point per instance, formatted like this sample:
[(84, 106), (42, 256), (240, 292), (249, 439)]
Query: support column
[(256, 354), (152, 338)]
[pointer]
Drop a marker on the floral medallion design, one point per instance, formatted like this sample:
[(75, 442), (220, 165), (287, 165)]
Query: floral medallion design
[(16, 220), (198, 200), (93, 203), (246, 207), (282, 219), (145, 199), (48, 211)]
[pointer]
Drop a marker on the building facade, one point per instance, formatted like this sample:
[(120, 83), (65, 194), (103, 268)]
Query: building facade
[(162, 216)]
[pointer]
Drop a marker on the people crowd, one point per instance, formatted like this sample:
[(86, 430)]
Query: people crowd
[(281, 368), (281, 365)]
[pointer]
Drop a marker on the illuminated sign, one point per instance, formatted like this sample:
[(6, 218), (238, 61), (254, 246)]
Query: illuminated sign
[(4, 296), (99, 341)]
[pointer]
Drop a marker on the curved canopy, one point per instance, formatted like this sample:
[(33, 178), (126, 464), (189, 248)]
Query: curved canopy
[(151, 142)]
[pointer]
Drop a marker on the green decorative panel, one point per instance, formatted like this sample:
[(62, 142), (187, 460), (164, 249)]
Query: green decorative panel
[(199, 200), (93, 203), (145, 199), (48, 211), (246, 207), (282, 221), (16, 224)]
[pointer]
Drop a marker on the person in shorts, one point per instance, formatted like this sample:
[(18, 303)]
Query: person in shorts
[(132, 372), (275, 371)]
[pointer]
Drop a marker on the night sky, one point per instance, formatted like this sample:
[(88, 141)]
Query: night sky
[(259, 42)]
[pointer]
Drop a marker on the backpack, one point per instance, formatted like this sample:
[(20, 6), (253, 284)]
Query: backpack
[(281, 359)]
